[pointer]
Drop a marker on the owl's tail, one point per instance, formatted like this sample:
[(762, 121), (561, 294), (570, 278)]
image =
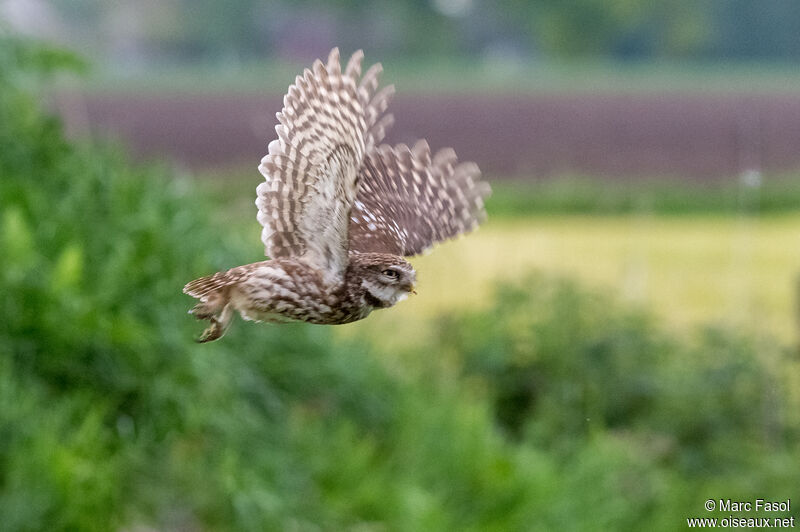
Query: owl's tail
[(215, 305), (206, 287)]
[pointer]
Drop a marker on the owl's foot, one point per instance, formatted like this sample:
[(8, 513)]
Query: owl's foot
[(212, 332), (220, 320)]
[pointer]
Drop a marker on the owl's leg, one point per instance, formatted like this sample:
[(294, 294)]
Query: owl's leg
[(207, 309)]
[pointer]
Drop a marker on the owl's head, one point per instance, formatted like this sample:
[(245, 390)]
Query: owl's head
[(387, 279)]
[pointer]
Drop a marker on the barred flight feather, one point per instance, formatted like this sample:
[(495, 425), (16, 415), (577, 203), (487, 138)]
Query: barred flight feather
[(408, 200), (328, 122)]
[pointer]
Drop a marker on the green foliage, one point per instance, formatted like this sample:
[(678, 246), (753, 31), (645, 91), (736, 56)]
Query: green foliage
[(582, 28), (110, 413), (21, 60), (624, 29), (618, 403), (555, 408)]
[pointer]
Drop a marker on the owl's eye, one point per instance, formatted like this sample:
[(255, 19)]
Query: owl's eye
[(391, 274)]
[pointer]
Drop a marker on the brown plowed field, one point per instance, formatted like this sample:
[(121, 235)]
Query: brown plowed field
[(692, 136)]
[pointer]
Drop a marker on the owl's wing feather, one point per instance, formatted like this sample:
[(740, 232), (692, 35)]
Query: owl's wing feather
[(329, 121), (408, 200)]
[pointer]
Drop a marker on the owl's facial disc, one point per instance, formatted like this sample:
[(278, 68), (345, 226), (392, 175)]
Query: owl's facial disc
[(400, 277), (391, 283)]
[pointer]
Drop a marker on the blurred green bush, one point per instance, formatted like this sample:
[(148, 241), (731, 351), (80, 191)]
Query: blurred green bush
[(648, 423), (555, 409), (109, 413)]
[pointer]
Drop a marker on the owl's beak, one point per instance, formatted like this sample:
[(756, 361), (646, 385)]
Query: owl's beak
[(411, 288)]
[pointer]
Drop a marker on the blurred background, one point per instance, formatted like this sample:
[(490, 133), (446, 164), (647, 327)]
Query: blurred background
[(619, 342)]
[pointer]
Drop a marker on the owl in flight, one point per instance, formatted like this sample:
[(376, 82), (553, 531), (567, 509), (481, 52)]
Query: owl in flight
[(339, 209)]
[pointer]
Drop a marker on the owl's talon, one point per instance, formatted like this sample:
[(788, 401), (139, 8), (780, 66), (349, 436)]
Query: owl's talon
[(219, 323), (212, 332)]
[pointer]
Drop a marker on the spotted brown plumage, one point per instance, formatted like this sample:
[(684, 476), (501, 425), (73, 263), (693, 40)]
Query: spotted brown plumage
[(339, 210)]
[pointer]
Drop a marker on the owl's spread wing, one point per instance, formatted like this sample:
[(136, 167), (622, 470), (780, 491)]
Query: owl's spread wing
[(329, 121), (409, 200)]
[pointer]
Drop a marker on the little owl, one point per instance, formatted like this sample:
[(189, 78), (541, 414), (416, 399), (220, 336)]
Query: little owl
[(339, 209)]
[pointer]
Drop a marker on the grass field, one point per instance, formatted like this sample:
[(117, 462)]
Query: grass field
[(689, 270)]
